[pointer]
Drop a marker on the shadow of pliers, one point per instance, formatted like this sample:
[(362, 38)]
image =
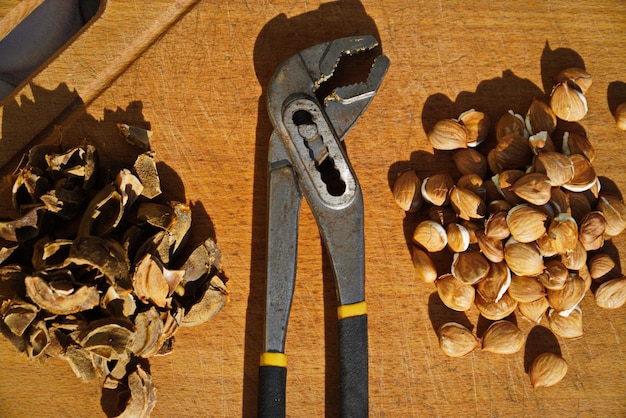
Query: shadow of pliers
[(307, 159)]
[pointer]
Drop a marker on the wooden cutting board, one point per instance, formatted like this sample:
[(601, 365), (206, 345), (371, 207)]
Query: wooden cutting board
[(196, 72)]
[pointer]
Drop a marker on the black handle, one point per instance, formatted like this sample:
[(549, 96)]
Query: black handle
[(272, 384), (353, 366)]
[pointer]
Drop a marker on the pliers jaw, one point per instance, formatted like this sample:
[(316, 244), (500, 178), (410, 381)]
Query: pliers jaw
[(305, 72)]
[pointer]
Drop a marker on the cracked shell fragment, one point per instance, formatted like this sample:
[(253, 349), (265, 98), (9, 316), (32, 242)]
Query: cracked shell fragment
[(38, 339), (80, 299), (81, 362), (129, 187), (124, 304), (174, 220), (142, 395), (156, 214), (154, 283), (180, 226), (25, 227), (106, 338), (202, 260), (103, 214), (135, 135), (29, 185), (65, 199), (146, 169), (81, 161), (106, 256), (51, 254), (212, 301), (18, 315), (148, 330), (6, 252)]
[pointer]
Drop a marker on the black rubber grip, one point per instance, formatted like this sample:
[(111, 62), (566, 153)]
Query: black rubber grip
[(353, 367), (272, 384)]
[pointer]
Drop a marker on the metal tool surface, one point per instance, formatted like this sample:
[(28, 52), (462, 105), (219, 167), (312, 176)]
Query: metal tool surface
[(307, 159)]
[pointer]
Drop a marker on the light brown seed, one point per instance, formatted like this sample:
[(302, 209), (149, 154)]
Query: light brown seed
[(492, 162), (436, 188), (575, 259), (544, 243), (406, 191), (448, 134), (611, 294), (535, 310), (455, 294), (495, 283), (491, 192), (614, 211), (470, 161), (513, 152), (584, 175), (586, 276), (568, 102), (576, 75), (443, 215), (474, 183), (503, 337), (467, 204), (558, 167), (524, 259), (563, 231), (495, 311), (574, 143), (430, 235), (541, 142), (496, 225), (504, 181), (424, 267), (458, 237), (566, 299), (477, 125), (526, 223), (455, 340), (591, 230), (570, 326), (510, 122), (554, 276), (600, 265), (469, 267), (579, 204), (472, 227), (526, 289), (547, 369), (540, 117), (492, 249), (559, 201), (534, 188)]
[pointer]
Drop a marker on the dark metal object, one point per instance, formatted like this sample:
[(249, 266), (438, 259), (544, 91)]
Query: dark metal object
[(307, 160)]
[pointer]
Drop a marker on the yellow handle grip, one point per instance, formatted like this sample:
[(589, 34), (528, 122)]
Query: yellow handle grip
[(353, 309), (273, 359)]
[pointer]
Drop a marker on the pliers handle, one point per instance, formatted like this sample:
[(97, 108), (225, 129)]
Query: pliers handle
[(346, 250)]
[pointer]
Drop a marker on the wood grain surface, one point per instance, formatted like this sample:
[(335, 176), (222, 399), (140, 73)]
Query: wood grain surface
[(196, 73), (12, 12)]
